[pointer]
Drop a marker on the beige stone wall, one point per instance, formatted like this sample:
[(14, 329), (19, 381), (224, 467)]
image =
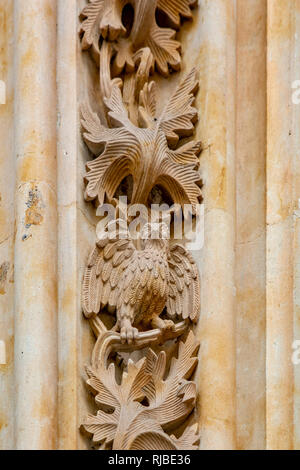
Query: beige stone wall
[(248, 56)]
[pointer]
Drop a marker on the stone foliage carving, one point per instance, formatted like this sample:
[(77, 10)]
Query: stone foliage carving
[(143, 362), (140, 412), (144, 153), (103, 19)]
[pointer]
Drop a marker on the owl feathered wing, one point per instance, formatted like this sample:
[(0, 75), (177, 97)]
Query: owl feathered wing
[(103, 277), (105, 283), (184, 285)]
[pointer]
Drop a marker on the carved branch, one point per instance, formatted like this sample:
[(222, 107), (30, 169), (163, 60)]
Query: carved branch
[(110, 341)]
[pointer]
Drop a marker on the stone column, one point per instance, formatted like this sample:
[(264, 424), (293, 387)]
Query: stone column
[(217, 62), (36, 225), (280, 237), (296, 216), (67, 229), (251, 222), (7, 190)]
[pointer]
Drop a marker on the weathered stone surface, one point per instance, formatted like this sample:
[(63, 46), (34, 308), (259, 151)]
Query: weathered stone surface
[(247, 54)]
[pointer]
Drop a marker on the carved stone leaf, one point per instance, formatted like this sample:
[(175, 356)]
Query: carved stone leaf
[(106, 391), (101, 17), (187, 153), (118, 113), (179, 116), (126, 151), (165, 49), (111, 426), (124, 58), (174, 8), (90, 27), (120, 156), (184, 365), (168, 401), (189, 439), (102, 427), (104, 18), (124, 422), (180, 181), (152, 440), (147, 108)]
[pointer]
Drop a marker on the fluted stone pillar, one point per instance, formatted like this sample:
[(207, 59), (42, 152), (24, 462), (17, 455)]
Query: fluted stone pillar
[(217, 63), (296, 217), (251, 224), (35, 395), (7, 190), (280, 233), (67, 230)]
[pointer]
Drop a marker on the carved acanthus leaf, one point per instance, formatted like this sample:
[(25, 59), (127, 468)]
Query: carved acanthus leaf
[(101, 17), (165, 49), (147, 108), (108, 170), (124, 422), (179, 116), (127, 149), (176, 8), (104, 18), (117, 112)]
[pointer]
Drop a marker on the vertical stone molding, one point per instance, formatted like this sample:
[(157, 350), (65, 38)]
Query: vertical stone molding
[(280, 225), (296, 218), (7, 195), (217, 380), (67, 130), (251, 223), (35, 275)]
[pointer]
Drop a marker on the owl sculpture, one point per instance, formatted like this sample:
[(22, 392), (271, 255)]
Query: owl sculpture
[(140, 281)]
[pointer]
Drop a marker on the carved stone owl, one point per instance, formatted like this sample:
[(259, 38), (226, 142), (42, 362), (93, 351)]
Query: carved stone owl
[(141, 283)]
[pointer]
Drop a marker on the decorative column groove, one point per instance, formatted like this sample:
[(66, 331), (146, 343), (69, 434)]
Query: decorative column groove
[(67, 229), (217, 322), (36, 225), (280, 237), (296, 217), (251, 224), (7, 190)]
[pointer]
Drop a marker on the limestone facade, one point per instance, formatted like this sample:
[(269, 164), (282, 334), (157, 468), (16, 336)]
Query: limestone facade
[(247, 55)]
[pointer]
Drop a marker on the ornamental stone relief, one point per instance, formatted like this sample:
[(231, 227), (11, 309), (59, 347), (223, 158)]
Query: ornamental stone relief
[(141, 294)]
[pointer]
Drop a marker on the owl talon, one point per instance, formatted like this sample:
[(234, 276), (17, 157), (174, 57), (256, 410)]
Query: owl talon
[(163, 325), (168, 325), (129, 334)]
